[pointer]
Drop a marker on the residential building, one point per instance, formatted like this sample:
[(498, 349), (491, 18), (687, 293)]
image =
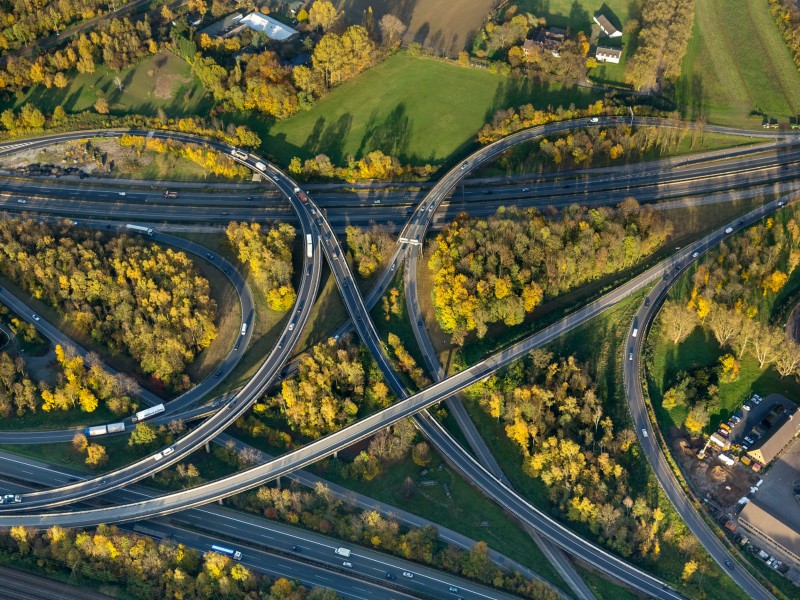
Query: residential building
[(606, 26), (606, 54), (527, 47), (236, 22), (551, 39)]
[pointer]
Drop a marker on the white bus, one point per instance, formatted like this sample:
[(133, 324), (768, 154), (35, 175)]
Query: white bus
[(309, 246), (147, 413)]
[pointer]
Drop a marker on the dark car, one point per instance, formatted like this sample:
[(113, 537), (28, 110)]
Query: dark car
[(729, 564), (296, 548), (391, 576)]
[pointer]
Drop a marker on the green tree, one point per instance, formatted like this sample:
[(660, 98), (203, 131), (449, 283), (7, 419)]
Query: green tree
[(142, 435)]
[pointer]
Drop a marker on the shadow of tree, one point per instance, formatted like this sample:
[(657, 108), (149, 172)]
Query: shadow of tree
[(390, 135)]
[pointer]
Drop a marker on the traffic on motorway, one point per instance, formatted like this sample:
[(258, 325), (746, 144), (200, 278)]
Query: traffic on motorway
[(412, 234)]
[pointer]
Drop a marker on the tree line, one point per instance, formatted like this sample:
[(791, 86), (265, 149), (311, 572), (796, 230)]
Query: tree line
[(268, 257), (501, 268), (373, 165), (549, 408), (26, 21), (334, 382), (661, 42), (510, 120), (136, 298), (735, 292), (321, 511), (787, 17), (211, 160), (143, 568), (117, 43), (369, 248)]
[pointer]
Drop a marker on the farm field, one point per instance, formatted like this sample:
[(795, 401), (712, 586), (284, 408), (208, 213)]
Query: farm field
[(160, 81), (442, 25), (722, 83), (420, 110)]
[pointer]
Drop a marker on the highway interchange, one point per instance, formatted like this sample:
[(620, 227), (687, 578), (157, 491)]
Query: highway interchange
[(415, 229)]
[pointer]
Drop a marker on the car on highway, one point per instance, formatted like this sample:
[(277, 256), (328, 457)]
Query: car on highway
[(729, 564), (464, 165), (35, 317), (409, 211), (12, 498), (780, 203), (296, 548), (391, 576), (594, 120), (453, 589), (525, 189), (407, 574), (729, 230), (291, 326), (218, 374), (168, 451), (209, 256), (695, 254), (347, 564), (644, 432), (21, 201), (122, 193), (630, 356), (647, 302)]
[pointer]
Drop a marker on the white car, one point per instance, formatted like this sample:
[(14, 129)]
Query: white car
[(122, 193), (347, 564), (407, 574), (21, 201), (35, 317), (695, 255), (780, 203), (465, 165), (594, 120), (644, 432), (291, 326), (729, 230), (168, 451)]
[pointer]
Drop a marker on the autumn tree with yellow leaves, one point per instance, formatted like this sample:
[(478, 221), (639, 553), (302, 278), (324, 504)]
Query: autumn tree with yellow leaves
[(135, 297), (268, 256), (501, 268)]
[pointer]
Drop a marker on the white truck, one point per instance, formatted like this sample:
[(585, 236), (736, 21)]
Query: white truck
[(139, 229), (343, 552)]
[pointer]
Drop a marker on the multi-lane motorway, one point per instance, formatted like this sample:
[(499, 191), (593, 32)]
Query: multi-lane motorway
[(414, 231)]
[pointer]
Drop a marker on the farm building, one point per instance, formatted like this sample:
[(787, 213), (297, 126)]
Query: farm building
[(775, 532), (779, 436)]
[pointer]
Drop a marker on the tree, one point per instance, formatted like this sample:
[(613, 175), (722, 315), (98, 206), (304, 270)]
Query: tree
[(697, 419), (79, 442), (142, 435), (60, 80), (59, 115), (101, 106), (302, 16), (688, 570), (392, 30), (96, 455), (421, 454), (787, 360), (677, 322), (323, 14)]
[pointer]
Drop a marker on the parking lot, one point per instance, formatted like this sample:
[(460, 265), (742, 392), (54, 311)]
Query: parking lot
[(751, 418)]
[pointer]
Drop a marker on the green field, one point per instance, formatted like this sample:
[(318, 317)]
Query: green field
[(160, 81), (420, 110), (736, 63)]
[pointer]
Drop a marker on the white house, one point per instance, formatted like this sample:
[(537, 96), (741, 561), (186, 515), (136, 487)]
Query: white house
[(604, 54), (272, 28), (606, 26)]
